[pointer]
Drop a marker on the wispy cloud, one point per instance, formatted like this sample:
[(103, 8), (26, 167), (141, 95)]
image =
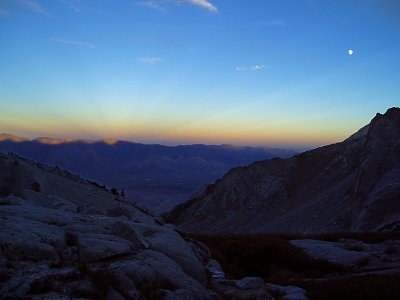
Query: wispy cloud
[(203, 4), (163, 5), (151, 60), (79, 6), (81, 44), (73, 5), (33, 6), (257, 68), (157, 5), (254, 68)]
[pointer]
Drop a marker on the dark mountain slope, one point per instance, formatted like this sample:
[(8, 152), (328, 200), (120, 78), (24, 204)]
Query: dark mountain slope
[(349, 186), (157, 176)]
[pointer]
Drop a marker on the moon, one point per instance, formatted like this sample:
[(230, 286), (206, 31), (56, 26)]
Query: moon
[(350, 52)]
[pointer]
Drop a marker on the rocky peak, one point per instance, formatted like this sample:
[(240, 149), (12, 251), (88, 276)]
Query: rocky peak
[(393, 113), (348, 186), (388, 122)]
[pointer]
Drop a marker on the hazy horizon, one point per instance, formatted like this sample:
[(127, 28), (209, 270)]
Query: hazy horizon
[(161, 142), (267, 73)]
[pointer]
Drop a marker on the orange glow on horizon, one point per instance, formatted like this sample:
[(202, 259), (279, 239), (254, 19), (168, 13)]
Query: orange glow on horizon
[(235, 136), (281, 133)]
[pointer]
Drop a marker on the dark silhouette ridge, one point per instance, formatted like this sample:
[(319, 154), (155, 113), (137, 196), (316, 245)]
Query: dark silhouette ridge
[(348, 186)]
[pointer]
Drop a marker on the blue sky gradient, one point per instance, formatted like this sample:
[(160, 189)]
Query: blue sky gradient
[(194, 71)]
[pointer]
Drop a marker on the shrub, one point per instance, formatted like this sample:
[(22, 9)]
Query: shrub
[(355, 288), (71, 239), (102, 280), (114, 191), (154, 290), (80, 292), (358, 248), (36, 187), (275, 259), (5, 275), (363, 262), (391, 249), (264, 256), (84, 269), (40, 286), (367, 237)]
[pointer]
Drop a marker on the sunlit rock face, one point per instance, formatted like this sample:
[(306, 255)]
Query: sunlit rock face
[(63, 237), (349, 186)]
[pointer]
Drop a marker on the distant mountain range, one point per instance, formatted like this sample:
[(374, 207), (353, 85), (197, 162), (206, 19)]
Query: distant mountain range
[(156, 176), (349, 186)]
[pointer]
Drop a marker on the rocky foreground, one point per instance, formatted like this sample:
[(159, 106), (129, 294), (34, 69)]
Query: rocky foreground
[(63, 237)]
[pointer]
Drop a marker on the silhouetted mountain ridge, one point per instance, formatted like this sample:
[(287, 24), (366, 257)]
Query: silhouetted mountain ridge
[(11, 138), (349, 186)]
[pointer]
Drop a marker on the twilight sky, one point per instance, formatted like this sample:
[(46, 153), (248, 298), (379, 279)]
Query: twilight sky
[(253, 72)]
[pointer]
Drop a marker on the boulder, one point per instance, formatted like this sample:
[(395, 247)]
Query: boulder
[(333, 252), (40, 242), (229, 290), (201, 250), (171, 244), (152, 271), (215, 269), (289, 292), (126, 231), (95, 247), (248, 283)]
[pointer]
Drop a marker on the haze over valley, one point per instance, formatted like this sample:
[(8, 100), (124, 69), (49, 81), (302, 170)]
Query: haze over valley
[(156, 176)]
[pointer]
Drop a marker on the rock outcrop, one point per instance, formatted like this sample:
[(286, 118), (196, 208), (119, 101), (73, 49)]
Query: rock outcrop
[(349, 186), (361, 257), (62, 237)]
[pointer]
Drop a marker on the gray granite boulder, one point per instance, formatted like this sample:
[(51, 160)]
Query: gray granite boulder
[(331, 251), (249, 283)]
